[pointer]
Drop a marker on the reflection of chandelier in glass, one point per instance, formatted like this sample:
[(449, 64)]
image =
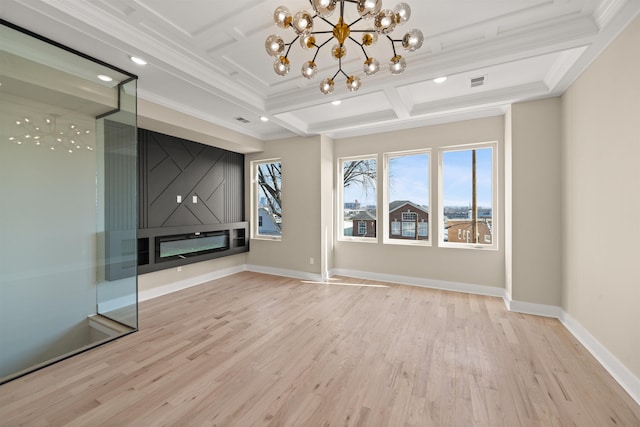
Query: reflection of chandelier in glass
[(381, 22), (69, 138)]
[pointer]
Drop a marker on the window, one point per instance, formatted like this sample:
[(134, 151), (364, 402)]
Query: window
[(468, 196), (357, 204), (423, 229), (409, 216), (407, 197), (362, 228), (267, 199), (408, 229), (395, 228)]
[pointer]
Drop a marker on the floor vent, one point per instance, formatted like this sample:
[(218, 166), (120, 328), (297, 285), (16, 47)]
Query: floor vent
[(242, 120), (478, 81)]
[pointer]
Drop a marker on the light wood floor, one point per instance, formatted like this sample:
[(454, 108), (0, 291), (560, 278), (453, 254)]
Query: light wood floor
[(252, 349)]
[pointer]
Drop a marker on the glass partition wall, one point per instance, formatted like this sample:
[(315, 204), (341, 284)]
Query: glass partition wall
[(68, 203)]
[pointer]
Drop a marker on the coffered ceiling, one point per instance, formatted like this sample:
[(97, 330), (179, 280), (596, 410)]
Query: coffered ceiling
[(206, 58)]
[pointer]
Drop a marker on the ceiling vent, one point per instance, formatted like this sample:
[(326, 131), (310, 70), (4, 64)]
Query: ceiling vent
[(478, 81), (242, 120)]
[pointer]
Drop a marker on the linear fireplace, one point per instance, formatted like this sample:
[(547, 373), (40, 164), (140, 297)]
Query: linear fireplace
[(182, 246), (167, 247)]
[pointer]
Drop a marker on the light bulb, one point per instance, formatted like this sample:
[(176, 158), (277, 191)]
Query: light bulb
[(326, 86), (403, 13), (353, 83), (371, 66), (385, 21), (412, 40), (324, 8), (274, 45), (303, 22), (282, 17), (307, 42), (368, 8), (397, 65), (309, 69), (282, 66)]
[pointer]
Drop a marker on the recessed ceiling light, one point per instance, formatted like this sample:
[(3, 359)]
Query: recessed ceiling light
[(137, 60), (104, 78), (264, 118), (336, 102), (440, 79)]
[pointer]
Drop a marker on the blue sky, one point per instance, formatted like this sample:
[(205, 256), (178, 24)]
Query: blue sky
[(409, 179)]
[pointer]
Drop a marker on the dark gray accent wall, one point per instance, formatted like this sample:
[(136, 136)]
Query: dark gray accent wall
[(172, 167)]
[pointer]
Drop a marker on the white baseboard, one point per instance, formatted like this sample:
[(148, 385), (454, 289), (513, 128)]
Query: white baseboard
[(283, 272), (187, 283), (422, 282), (533, 308), (618, 371)]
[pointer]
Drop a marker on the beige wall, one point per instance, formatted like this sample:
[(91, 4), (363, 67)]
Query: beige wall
[(479, 267), (601, 176), (508, 205), (301, 206), (327, 197), (534, 227), (189, 274)]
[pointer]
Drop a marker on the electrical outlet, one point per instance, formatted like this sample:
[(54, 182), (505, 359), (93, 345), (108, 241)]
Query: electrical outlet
[(179, 199), (311, 260)]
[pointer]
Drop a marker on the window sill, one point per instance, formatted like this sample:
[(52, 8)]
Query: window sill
[(447, 245), (267, 238), (407, 242), (358, 239)]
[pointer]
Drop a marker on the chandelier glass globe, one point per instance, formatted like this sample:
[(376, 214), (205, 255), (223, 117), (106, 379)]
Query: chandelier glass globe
[(412, 40), (274, 45), (282, 66), (309, 69), (282, 17), (397, 65), (369, 8), (324, 8), (403, 13)]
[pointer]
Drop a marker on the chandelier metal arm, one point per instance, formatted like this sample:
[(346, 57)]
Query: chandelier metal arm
[(286, 55), (361, 47), (354, 23), (318, 49), (393, 45)]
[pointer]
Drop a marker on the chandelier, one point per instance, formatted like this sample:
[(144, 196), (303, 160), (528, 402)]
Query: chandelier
[(373, 23), (50, 134)]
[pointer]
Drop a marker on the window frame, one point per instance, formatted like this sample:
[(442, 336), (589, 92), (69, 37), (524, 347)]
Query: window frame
[(340, 195), (494, 196), (255, 203), (386, 227)]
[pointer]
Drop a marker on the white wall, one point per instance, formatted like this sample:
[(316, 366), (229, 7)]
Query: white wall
[(601, 194), (469, 266)]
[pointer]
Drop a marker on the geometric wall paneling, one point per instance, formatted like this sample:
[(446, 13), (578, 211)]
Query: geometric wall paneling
[(208, 181), (191, 199)]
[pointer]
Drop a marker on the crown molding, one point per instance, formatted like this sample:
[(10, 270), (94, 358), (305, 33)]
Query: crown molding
[(169, 58)]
